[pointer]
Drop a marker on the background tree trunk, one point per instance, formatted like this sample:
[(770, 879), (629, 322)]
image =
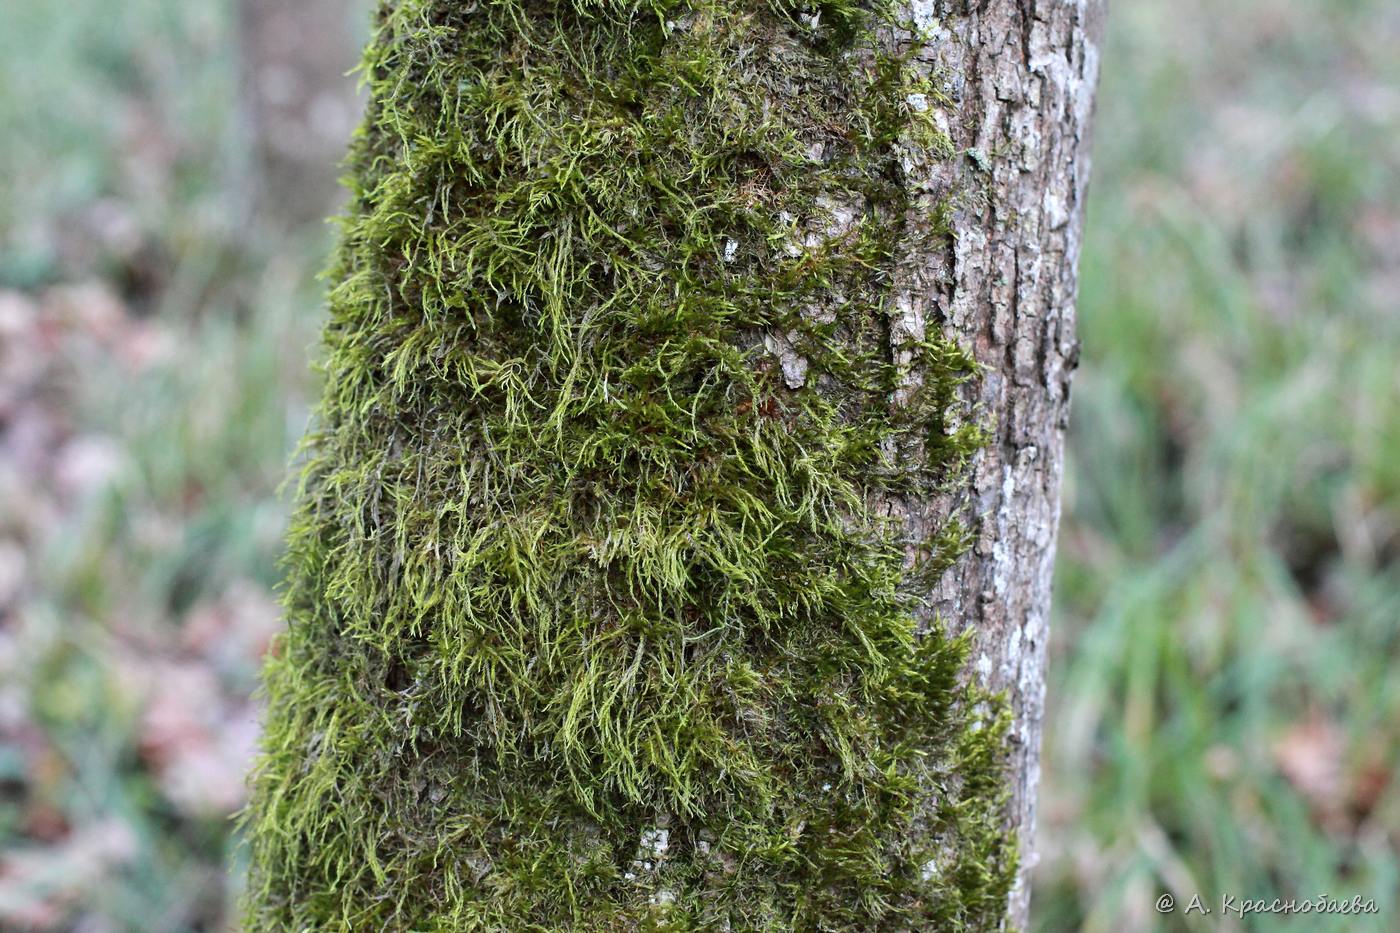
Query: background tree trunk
[(298, 105), (644, 328)]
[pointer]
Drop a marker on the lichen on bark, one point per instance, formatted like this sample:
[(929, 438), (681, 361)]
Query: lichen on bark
[(596, 620)]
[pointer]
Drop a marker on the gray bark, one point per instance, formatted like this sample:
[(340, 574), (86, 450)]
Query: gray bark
[(1021, 75)]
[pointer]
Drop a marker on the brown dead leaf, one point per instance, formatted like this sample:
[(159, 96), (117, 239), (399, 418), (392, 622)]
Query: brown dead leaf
[(1369, 786), (1310, 757), (1342, 789), (197, 740), (88, 308)]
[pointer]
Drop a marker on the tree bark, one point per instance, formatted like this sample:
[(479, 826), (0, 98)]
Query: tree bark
[(297, 106), (1021, 75), (697, 374)]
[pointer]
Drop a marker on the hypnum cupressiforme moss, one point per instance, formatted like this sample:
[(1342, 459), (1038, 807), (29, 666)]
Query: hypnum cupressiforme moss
[(594, 621)]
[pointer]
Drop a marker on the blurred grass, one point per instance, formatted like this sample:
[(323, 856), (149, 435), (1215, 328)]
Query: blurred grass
[(119, 131), (153, 380), (1222, 715)]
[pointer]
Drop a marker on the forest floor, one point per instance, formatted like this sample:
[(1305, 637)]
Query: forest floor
[(1223, 715)]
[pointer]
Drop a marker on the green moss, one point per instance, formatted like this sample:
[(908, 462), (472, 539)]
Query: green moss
[(594, 623)]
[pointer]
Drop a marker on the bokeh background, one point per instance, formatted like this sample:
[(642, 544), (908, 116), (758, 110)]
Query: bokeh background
[(1224, 705)]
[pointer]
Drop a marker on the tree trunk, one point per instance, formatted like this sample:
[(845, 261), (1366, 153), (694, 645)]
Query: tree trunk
[(1022, 76), (297, 105), (674, 544)]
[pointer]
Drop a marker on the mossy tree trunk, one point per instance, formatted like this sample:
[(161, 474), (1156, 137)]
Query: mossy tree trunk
[(674, 541)]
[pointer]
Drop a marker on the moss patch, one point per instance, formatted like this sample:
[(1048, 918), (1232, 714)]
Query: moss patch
[(594, 623)]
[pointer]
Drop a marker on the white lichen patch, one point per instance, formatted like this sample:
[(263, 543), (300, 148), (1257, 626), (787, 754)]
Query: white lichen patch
[(984, 666), (652, 847), (656, 841), (925, 15), (794, 364)]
